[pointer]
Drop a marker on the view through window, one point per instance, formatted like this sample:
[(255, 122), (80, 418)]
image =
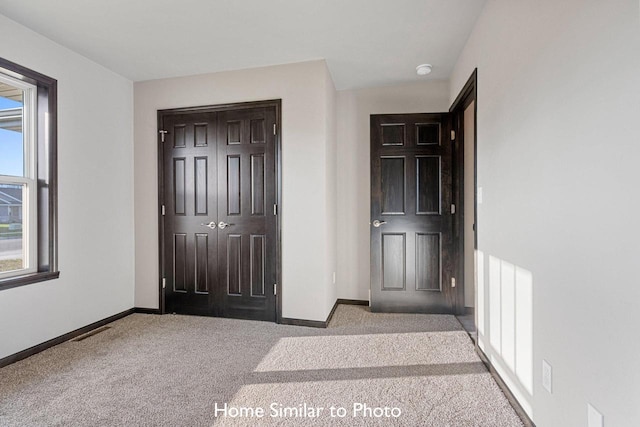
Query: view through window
[(17, 177)]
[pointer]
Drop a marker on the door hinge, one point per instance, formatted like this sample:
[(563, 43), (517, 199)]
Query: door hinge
[(453, 282), (275, 209), (275, 289), (163, 210), (453, 209), (275, 129), (164, 283), (162, 134), (453, 135)]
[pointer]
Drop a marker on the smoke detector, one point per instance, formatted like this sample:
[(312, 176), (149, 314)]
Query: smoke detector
[(423, 69)]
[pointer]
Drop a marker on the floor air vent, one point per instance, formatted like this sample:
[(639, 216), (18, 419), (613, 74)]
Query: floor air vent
[(91, 333)]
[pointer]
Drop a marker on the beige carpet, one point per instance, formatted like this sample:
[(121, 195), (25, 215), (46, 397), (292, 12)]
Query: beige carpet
[(146, 370)]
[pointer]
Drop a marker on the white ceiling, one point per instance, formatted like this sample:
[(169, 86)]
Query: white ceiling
[(365, 42)]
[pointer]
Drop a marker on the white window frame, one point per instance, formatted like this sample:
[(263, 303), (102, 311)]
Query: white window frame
[(28, 180)]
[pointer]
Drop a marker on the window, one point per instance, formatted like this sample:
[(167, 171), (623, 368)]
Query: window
[(28, 248), (18, 224)]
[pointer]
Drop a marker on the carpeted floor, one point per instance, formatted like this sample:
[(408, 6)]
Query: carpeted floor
[(149, 370)]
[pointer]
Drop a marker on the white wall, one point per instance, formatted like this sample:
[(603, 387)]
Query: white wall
[(353, 170), (558, 107), (332, 191), (95, 206), (305, 90)]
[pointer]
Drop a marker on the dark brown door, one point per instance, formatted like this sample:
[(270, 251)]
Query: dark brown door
[(219, 189), (246, 192), (190, 199), (411, 231)]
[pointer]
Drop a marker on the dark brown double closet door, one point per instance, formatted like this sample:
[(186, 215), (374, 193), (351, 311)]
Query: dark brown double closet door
[(411, 218), (219, 180)]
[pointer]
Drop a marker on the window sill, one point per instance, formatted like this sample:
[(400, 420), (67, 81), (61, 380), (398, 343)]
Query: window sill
[(27, 279)]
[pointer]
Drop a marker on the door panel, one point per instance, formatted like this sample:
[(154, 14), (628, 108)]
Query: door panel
[(233, 267), (201, 189), (180, 262), (219, 167), (258, 255), (202, 263), (394, 271), (410, 194), (428, 262), (393, 185), (428, 190), (257, 184)]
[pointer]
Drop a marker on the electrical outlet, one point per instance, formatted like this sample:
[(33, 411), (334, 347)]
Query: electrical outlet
[(334, 277), (594, 418), (546, 376)]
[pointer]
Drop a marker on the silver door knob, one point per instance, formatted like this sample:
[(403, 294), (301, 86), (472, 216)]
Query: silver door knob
[(377, 223), (222, 225), (211, 225)]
